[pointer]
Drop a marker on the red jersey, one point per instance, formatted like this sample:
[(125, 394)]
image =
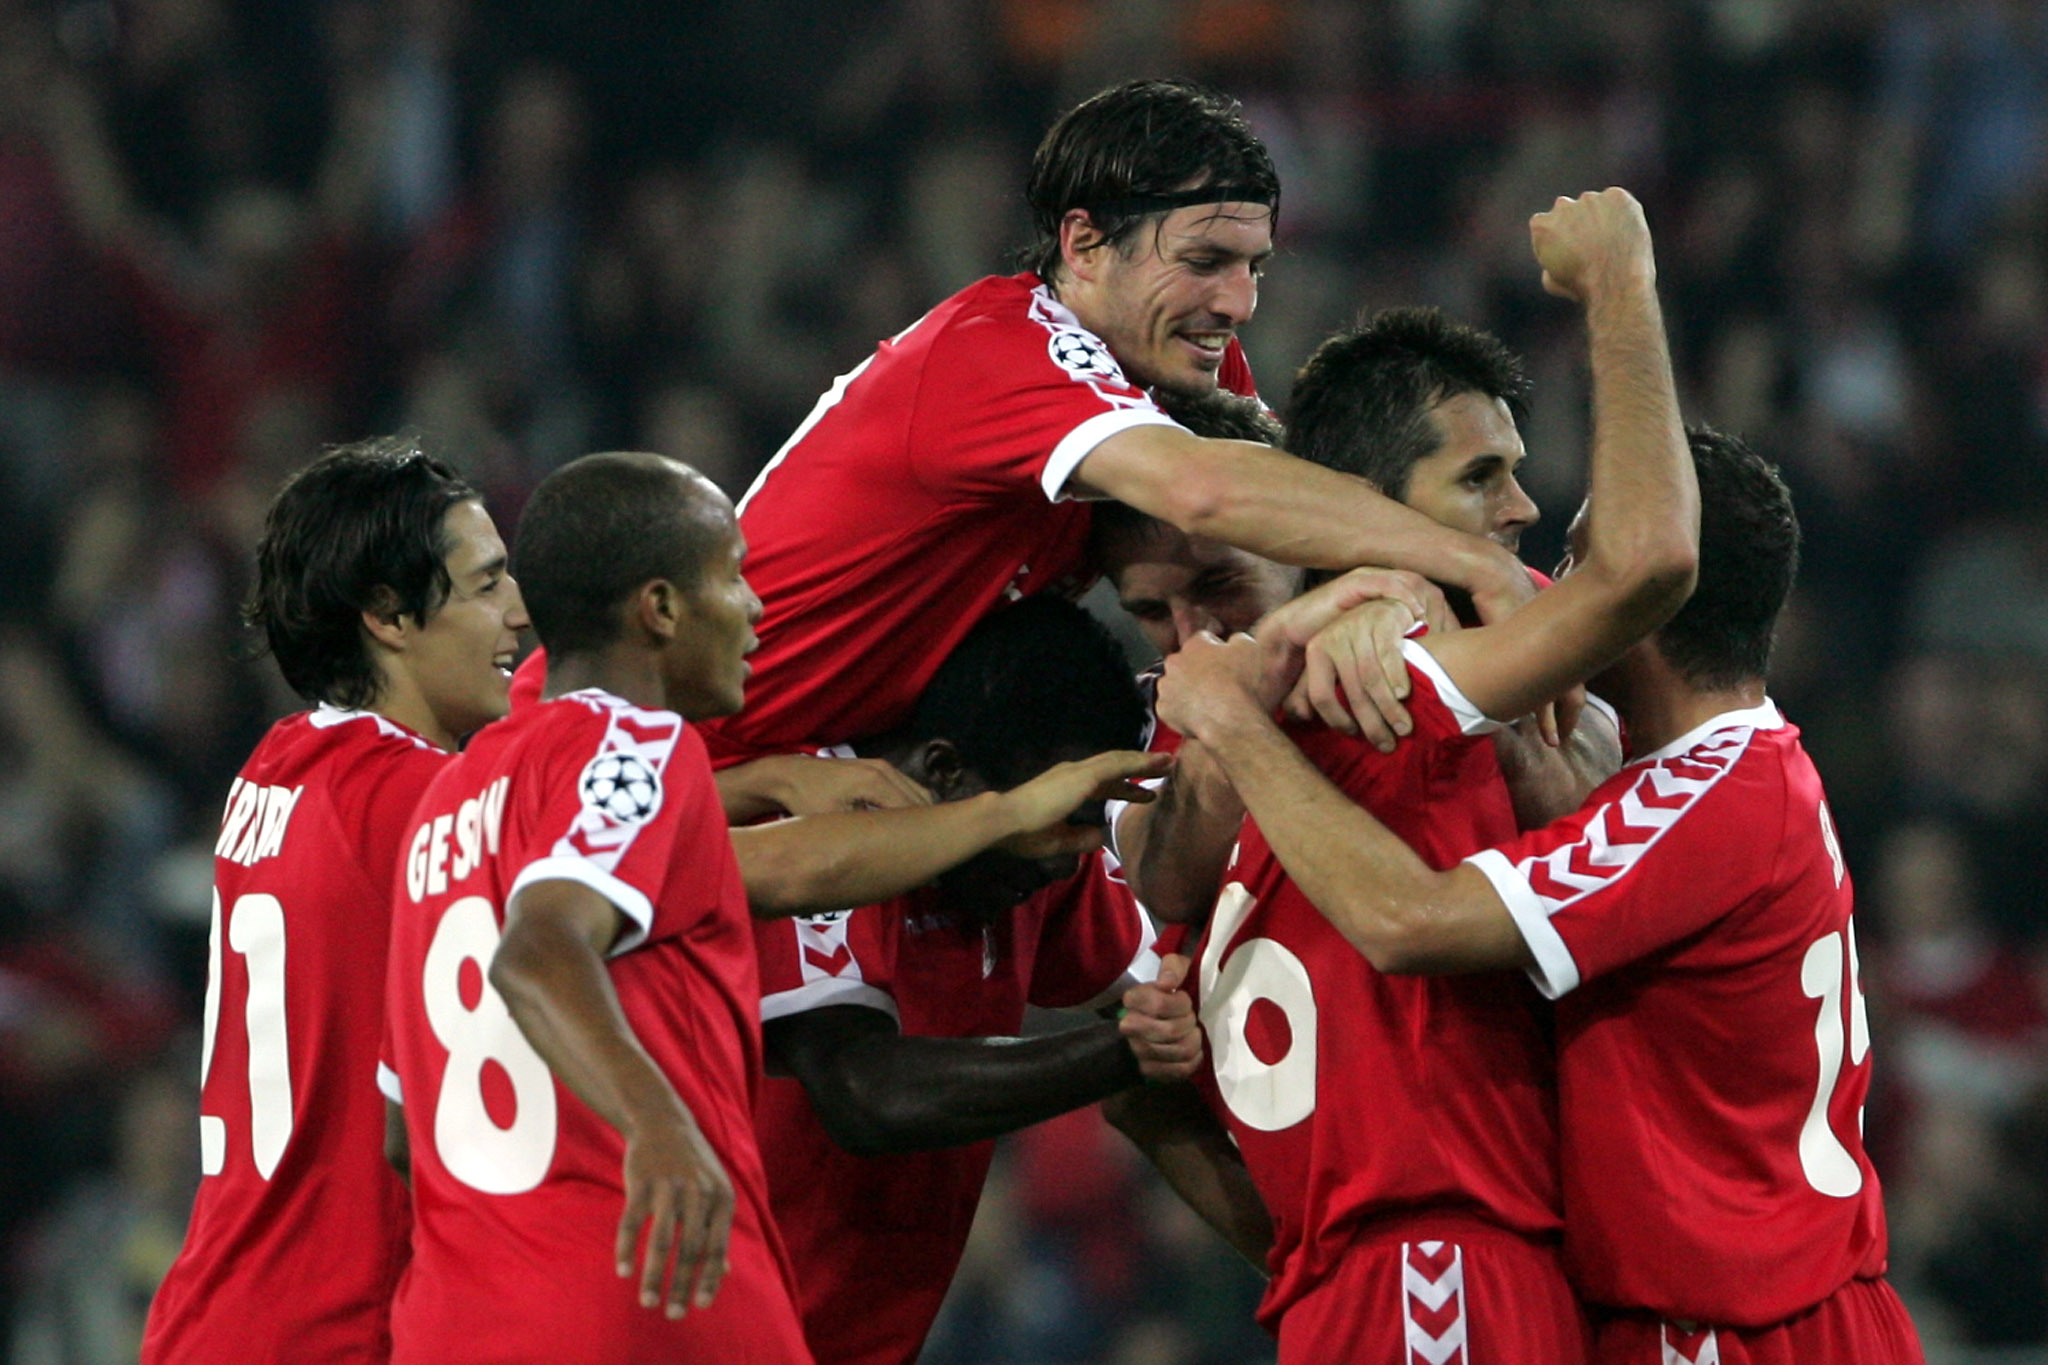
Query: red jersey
[(875, 1240), (1692, 918), (516, 1183), (1358, 1097), (298, 1233), (925, 489)]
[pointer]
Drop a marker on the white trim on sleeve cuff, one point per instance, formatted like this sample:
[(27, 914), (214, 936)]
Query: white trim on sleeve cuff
[(1555, 974), (827, 990), (629, 901), (388, 1084), (1077, 445), (1471, 720)]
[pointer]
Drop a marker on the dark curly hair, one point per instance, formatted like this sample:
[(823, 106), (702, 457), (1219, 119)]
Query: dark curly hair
[(1749, 555)]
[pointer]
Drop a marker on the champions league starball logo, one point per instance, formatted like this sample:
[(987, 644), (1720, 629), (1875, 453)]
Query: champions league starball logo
[(1083, 355), (623, 788)]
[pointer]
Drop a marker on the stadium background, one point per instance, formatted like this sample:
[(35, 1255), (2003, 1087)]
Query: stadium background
[(230, 233)]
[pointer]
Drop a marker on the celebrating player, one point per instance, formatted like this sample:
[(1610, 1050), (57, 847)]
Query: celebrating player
[(1693, 921), (951, 471), (573, 996), (896, 1020), (382, 592), (1402, 1129)]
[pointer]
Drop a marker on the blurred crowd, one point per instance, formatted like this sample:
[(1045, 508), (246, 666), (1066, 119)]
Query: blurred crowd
[(233, 231)]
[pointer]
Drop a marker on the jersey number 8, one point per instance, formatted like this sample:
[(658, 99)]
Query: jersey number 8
[(472, 1145)]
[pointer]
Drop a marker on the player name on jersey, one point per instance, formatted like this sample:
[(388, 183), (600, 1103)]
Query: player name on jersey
[(455, 844), (254, 824)]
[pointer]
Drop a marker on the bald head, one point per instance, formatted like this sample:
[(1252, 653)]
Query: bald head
[(599, 529)]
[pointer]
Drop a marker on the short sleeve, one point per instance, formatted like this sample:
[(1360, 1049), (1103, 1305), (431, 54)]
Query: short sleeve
[(844, 958), (1016, 395), (1658, 853), (1094, 936), (618, 803)]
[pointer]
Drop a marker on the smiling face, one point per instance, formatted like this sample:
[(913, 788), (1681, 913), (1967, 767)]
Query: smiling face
[(705, 669), (1468, 482), (460, 656), (1168, 299)]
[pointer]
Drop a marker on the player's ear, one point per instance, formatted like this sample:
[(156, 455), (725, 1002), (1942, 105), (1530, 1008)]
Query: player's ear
[(1079, 240), (936, 763), (383, 620), (656, 608)]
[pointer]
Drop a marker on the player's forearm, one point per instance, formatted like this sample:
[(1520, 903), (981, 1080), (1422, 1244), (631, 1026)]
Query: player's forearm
[(1175, 849), (1547, 783), (751, 791), (887, 1093), (1193, 1153), (560, 995), (1644, 529), (1272, 504), (1374, 889), (821, 863)]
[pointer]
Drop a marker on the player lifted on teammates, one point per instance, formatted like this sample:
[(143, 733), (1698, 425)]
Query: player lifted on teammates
[(382, 591), (951, 471)]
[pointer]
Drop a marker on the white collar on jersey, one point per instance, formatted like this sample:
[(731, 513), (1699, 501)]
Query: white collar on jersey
[(323, 717), (1766, 716)]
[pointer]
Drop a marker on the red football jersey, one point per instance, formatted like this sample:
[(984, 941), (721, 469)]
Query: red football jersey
[(1355, 1096), (924, 490), (516, 1183), (298, 1233), (875, 1240), (1713, 1053)]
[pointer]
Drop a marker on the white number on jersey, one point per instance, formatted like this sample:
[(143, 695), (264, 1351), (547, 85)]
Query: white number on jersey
[(469, 1141), (256, 931), (1828, 1165), (1268, 1096)]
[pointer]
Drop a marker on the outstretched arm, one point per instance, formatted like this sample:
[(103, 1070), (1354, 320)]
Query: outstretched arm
[(1272, 504), (878, 1092), (1638, 550), (1387, 902), (550, 970), (820, 863)]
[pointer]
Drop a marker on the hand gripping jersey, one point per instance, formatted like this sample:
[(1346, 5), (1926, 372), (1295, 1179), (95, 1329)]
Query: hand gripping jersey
[(1692, 919), (1362, 1101), (298, 1232), (924, 490), (875, 1240), (516, 1183)]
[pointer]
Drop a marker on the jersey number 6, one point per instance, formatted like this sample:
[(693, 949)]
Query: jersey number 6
[(1266, 1095)]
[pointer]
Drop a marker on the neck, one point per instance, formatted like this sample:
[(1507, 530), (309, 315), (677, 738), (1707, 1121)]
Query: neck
[(1664, 707), (632, 675), (398, 699)]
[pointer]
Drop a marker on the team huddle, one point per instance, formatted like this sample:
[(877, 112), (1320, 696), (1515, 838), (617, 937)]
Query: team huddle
[(1472, 951)]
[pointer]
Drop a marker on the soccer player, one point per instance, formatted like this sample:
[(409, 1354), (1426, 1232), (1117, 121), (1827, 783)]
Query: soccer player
[(1402, 1130), (952, 471), (1692, 920), (896, 1022), (573, 996), (382, 592)]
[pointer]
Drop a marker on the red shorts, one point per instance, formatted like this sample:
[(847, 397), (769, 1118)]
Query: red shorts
[(1446, 1290), (1862, 1323)]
